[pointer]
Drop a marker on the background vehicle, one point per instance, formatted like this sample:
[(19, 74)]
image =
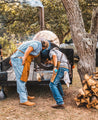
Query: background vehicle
[(70, 45)]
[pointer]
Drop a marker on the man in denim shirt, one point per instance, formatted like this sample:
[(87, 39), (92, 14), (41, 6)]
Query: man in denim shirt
[(19, 61)]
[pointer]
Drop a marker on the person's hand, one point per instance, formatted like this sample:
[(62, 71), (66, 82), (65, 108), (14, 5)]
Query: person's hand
[(55, 70), (10, 63), (48, 61), (23, 60)]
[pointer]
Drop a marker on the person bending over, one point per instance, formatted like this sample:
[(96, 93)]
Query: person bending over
[(21, 61)]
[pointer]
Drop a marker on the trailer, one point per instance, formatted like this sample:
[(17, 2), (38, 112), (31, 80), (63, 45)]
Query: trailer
[(40, 74)]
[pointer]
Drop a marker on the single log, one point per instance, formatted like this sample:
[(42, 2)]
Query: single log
[(88, 93), (78, 103), (95, 90), (81, 91), (77, 100), (85, 86), (91, 82), (87, 99), (94, 100), (95, 72), (79, 96), (83, 101), (95, 77), (96, 106), (88, 105), (96, 85), (87, 77), (38, 77), (84, 82)]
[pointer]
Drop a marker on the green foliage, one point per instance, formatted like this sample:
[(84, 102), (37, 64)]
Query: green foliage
[(20, 20), (23, 20), (56, 18), (7, 45)]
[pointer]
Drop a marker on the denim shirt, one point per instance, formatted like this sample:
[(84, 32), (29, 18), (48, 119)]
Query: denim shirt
[(37, 47)]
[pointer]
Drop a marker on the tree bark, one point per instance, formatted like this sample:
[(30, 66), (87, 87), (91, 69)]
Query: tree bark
[(85, 43), (94, 23)]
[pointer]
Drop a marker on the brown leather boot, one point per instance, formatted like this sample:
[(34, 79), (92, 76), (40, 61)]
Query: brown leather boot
[(28, 103), (31, 97), (58, 106)]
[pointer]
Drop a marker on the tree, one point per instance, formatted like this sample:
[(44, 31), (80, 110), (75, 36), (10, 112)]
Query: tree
[(85, 43), (86, 7), (55, 18)]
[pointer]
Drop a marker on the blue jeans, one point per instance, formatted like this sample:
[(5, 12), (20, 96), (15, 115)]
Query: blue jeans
[(56, 87), (21, 86)]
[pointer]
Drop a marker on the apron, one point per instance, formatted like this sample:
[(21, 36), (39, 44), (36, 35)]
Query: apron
[(26, 69)]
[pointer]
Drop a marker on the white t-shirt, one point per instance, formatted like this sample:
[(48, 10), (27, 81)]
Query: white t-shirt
[(60, 57)]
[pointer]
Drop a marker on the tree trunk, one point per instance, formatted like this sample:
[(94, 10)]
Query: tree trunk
[(85, 43)]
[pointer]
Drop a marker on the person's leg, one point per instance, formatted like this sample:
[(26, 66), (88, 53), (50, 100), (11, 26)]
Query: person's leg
[(21, 88), (54, 88), (60, 89)]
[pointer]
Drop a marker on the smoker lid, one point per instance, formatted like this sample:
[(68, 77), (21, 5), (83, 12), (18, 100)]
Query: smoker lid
[(47, 35)]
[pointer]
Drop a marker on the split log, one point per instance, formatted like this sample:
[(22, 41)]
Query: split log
[(81, 91), (83, 82), (96, 85), (95, 72), (38, 77), (95, 90), (94, 99), (87, 77), (85, 86), (90, 80), (79, 96), (96, 107), (88, 93), (95, 77), (88, 105), (85, 100), (88, 100)]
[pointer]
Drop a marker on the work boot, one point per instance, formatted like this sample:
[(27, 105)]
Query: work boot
[(28, 103), (58, 106), (31, 97)]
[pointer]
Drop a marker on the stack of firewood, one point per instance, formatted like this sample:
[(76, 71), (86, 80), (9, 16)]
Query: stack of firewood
[(88, 94)]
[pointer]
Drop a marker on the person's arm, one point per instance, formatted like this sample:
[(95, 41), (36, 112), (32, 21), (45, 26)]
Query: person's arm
[(54, 62), (27, 52)]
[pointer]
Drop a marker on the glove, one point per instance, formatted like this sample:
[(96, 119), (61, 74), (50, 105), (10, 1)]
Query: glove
[(55, 70)]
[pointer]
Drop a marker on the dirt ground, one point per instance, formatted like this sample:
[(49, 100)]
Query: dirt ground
[(11, 110)]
